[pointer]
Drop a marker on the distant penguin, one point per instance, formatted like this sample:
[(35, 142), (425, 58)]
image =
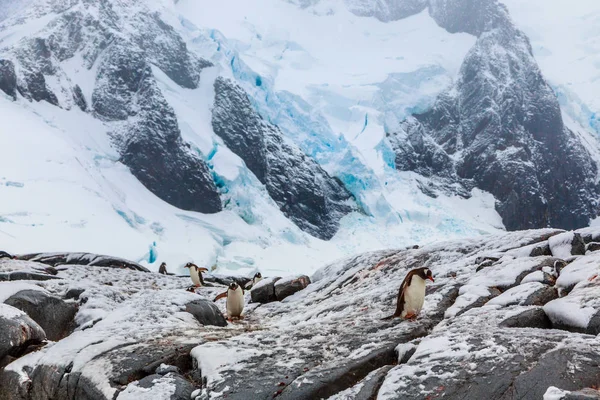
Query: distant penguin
[(163, 269), (257, 278), (235, 300), (196, 274), (411, 295)]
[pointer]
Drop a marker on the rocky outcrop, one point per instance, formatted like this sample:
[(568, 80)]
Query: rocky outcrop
[(206, 312), (304, 192), (54, 315), (95, 260), (504, 120), (8, 78), (264, 291), (288, 286), (18, 333)]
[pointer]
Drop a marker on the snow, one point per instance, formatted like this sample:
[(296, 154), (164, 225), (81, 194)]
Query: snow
[(535, 276), (7, 289), (9, 312), (162, 389), (554, 393), (516, 295), (560, 245), (581, 269), (569, 311), (213, 359)]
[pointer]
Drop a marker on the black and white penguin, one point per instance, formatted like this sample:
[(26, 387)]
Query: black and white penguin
[(257, 278), (163, 269), (196, 274), (235, 300), (411, 295)]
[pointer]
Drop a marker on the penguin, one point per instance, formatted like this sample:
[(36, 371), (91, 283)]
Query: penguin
[(411, 295), (257, 278), (235, 301), (163, 269), (196, 274)]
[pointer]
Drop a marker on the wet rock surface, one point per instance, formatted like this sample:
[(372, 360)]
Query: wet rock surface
[(497, 333), (17, 333)]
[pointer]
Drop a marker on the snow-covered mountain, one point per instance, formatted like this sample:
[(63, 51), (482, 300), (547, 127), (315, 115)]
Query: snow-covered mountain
[(277, 135)]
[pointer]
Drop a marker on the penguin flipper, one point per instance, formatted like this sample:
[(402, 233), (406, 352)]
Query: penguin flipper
[(224, 294)]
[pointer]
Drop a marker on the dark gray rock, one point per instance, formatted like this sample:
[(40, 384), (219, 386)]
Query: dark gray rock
[(79, 98), (4, 254), (25, 276), (264, 291), (17, 333), (183, 388), (287, 287), (541, 250), (304, 192), (584, 394), (74, 293), (95, 260), (53, 314), (535, 318), (593, 246), (541, 296), (372, 384), (485, 264), (593, 327), (577, 245), (226, 280), (8, 78), (206, 312)]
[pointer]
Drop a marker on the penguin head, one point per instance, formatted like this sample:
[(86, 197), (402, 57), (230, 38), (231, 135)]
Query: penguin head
[(189, 265), (258, 275), (425, 273), (162, 265), (233, 286)]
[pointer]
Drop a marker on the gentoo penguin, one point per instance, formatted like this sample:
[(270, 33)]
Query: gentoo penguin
[(196, 274), (163, 269), (235, 300), (412, 294), (257, 278)]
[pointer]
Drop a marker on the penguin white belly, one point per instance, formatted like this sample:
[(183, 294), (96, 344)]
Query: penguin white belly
[(194, 276), (414, 297), (235, 302)]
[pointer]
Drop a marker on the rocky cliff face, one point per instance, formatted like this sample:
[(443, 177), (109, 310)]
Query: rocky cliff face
[(500, 128), (304, 192), (509, 316), (131, 39)]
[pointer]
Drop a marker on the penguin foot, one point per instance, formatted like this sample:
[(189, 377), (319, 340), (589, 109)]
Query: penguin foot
[(410, 316)]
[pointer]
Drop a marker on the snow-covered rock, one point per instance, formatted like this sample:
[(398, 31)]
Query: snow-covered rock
[(482, 333)]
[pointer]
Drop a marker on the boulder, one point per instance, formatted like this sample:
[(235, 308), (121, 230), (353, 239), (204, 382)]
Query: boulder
[(535, 318), (541, 296), (8, 78), (264, 291), (288, 286), (54, 259), (567, 244), (17, 333), (541, 250), (53, 314), (593, 246), (206, 312)]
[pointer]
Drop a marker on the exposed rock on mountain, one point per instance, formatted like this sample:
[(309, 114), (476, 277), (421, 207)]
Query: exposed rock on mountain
[(304, 192), (500, 127)]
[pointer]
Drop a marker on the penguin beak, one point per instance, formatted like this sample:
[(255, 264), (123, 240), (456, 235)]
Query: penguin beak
[(430, 278)]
